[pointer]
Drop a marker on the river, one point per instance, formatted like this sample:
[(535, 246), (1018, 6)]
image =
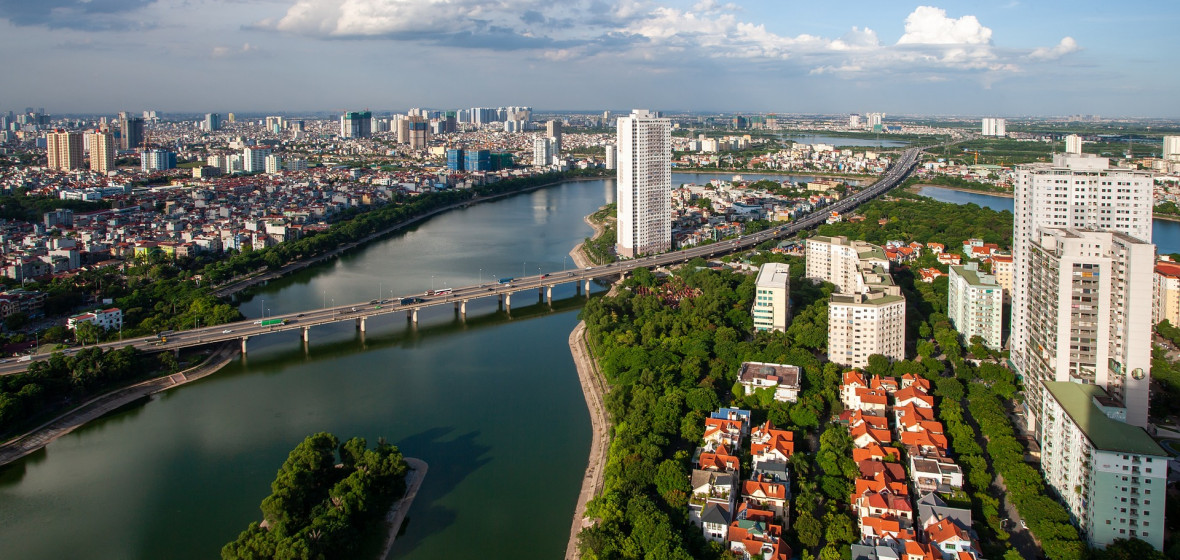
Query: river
[(492, 403), (1164, 233)]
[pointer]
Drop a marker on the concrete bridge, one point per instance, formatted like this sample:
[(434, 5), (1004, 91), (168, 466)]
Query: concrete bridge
[(458, 298)]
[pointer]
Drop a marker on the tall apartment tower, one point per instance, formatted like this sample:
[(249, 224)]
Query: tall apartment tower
[(839, 261), (1073, 144), (212, 122), (975, 304), (356, 124), (644, 191), (1089, 299), (1075, 191), (612, 157), (542, 152), (994, 127), (254, 159), (860, 325), (772, 300), (553, 130), (130, 131), (65, 150), (102, 152)]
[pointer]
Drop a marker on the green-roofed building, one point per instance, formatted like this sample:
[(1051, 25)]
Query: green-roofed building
[(975, 304), (1111, 475)]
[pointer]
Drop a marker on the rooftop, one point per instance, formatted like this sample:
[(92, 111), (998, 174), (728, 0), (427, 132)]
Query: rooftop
[(773, 275), (973, 277), (1104, 432)]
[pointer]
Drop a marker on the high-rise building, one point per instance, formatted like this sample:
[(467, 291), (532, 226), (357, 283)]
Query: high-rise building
[(860, 325), (1111, 475), (455, 159), (296, 164), (876, 120), (274, 163), (612, 156), (65, 150), (1165, 304), (644, 186), (477, 160), (156, 160), (356, 124), (212, 122), (995, 127), (254, 159), (772, 298), (1078, 191), (854, 120), (1171, 148), (975, 304), (542, 151), (419, 133), (1089, 316), (275, 125), (102, 151), (840, 261), (1073, 144), (130, 131), (553, 130)]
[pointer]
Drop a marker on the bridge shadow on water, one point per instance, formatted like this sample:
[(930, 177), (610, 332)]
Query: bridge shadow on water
[(450, 460)]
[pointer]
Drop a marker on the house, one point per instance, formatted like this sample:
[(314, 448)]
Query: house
[(929, 275), (913, 395), (722, 432), (876, 452), (110, 319), (767, 494), (932, 509), (734, 414), (853, 380), (871, 401), (936, 248), (718, 460), (885, 505), (864, 435), (951, 539), (755, 539), (883, 528), (924, 443), (715, 522), (768, 443), (782, 378), (935, 474), (949, 258), (710, 487), (915, 550), (912, 418)]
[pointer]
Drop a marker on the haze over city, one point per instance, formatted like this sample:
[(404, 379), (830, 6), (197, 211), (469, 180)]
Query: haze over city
[(1007, 58)]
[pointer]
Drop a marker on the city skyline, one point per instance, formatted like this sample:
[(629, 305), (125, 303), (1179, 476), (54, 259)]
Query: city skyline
[(297, 55)]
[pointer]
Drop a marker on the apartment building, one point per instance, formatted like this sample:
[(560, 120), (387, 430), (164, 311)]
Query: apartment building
[(1166, 297), (772, 298), (975, 304), (65, 150), (839, 261), (644, 191), (863, 324)]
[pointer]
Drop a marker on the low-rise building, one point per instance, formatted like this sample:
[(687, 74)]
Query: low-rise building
[(111, 319), (783, 379)]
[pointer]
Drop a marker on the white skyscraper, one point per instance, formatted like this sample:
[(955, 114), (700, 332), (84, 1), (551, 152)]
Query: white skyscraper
[(644, 191), (1172, 148), (254, 159), (994, 127), (1073, 144), (1075, 191), (1089, 315), (542, 151)]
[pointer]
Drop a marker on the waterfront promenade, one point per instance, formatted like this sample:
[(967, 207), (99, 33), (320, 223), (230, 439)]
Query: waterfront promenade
[(397, 512)]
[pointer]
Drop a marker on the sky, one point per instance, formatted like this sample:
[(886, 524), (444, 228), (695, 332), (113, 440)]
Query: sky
[(1002, 57)]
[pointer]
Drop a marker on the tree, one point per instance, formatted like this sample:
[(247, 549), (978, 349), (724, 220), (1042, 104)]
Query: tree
[(925, 348), (839, 529), (87, 331), (809, 530)]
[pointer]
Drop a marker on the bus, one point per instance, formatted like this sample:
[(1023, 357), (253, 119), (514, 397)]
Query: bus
[(443, 291)]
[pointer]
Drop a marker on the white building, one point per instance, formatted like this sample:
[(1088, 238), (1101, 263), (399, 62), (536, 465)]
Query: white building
[(254, 159), (772, 298), (1073, 191), (1165, 303), (839, 261), (995, 127), (1111, 475), (1073, 144), (644, 191), (854, 120), (111, 319), (1172, 148), (542, 151), (783, 378), (860, 325), (1090, 303), (975, 304), (612, 157)]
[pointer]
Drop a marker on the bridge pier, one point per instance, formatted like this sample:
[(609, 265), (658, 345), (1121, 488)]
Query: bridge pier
[(508, 302), (549, 294), (587, 288), (244, 339), (463, 308), (306, 334), (360, 324)]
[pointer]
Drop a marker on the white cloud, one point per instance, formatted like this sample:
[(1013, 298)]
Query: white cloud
[(928, 25), (229, 52), (1066, 46)]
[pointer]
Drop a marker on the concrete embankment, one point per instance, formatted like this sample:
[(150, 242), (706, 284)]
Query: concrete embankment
[(593, 389), (397, 512), (90, 410)]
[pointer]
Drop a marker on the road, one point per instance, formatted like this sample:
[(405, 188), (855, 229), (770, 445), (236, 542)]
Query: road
[(363, 310)]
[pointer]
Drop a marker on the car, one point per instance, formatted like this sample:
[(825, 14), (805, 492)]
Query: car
[(546, 275), (373, 302), (227, 331), (300, 315), (589, 268)]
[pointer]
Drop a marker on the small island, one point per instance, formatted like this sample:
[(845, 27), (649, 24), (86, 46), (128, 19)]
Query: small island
[(330, 500)]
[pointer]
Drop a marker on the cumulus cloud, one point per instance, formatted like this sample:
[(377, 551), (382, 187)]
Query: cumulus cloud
[(928, 25), (1066, 46)]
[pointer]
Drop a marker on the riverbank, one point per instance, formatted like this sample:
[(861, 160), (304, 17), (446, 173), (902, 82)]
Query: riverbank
[(869, 178), (593, 389), (1001, 194), (46, 433), (397, 512), (578, 253), (244, 283)]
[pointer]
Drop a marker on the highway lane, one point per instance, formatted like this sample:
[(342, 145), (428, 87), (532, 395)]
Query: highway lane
[(362, 310)]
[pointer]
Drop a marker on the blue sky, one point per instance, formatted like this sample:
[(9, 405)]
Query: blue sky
[(1009, 58)]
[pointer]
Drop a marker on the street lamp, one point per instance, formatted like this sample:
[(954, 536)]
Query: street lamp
[(481, 277), (432, 282)]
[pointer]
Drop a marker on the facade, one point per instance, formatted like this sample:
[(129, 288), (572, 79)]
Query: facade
[(644, 186), (477, 160), (1165, 305), (1111, 475), (772, 300), (157, 160), (975, 304), (274, 163), (839, 261), (1090, 298), (455, 159), (111, 319), (1172, 148), (419, 132), (1078, 192), (1073, 144), (65, 150), (130, 131), (612, 156), (995, 127), (254, 159), (553, 130), (860, 325), (1002, 267), (102, 152), (212, 122), (542, 151), (356, 124)]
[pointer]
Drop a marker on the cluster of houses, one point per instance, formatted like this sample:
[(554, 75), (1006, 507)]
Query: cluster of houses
[(748, 513), (903, 517), (733, 203)]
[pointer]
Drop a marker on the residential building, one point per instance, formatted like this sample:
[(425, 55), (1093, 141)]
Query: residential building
[(644, 186), (553, 130), (477, 160), (612, 156), (772, 298), (356, 124), (1002, 269), (157, 160), (1074, 191), (212, 122), (254, 159), (110, 319), (994, 127), (975, 304), (1090, 299), (130, 131), (860, 325), (454, 159), (1165, 303), (542, 151), (419, 133), (1171, 148), (839, 261), (65, 150), (1111, 475), (1073, 144), (783, 379), (274, 163), (102, 151)]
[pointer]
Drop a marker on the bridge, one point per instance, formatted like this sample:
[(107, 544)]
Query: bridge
[(410, 305)]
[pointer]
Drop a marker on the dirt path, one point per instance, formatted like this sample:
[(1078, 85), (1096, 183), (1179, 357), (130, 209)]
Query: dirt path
[(42, 435), (397, 512), (593, 388)]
